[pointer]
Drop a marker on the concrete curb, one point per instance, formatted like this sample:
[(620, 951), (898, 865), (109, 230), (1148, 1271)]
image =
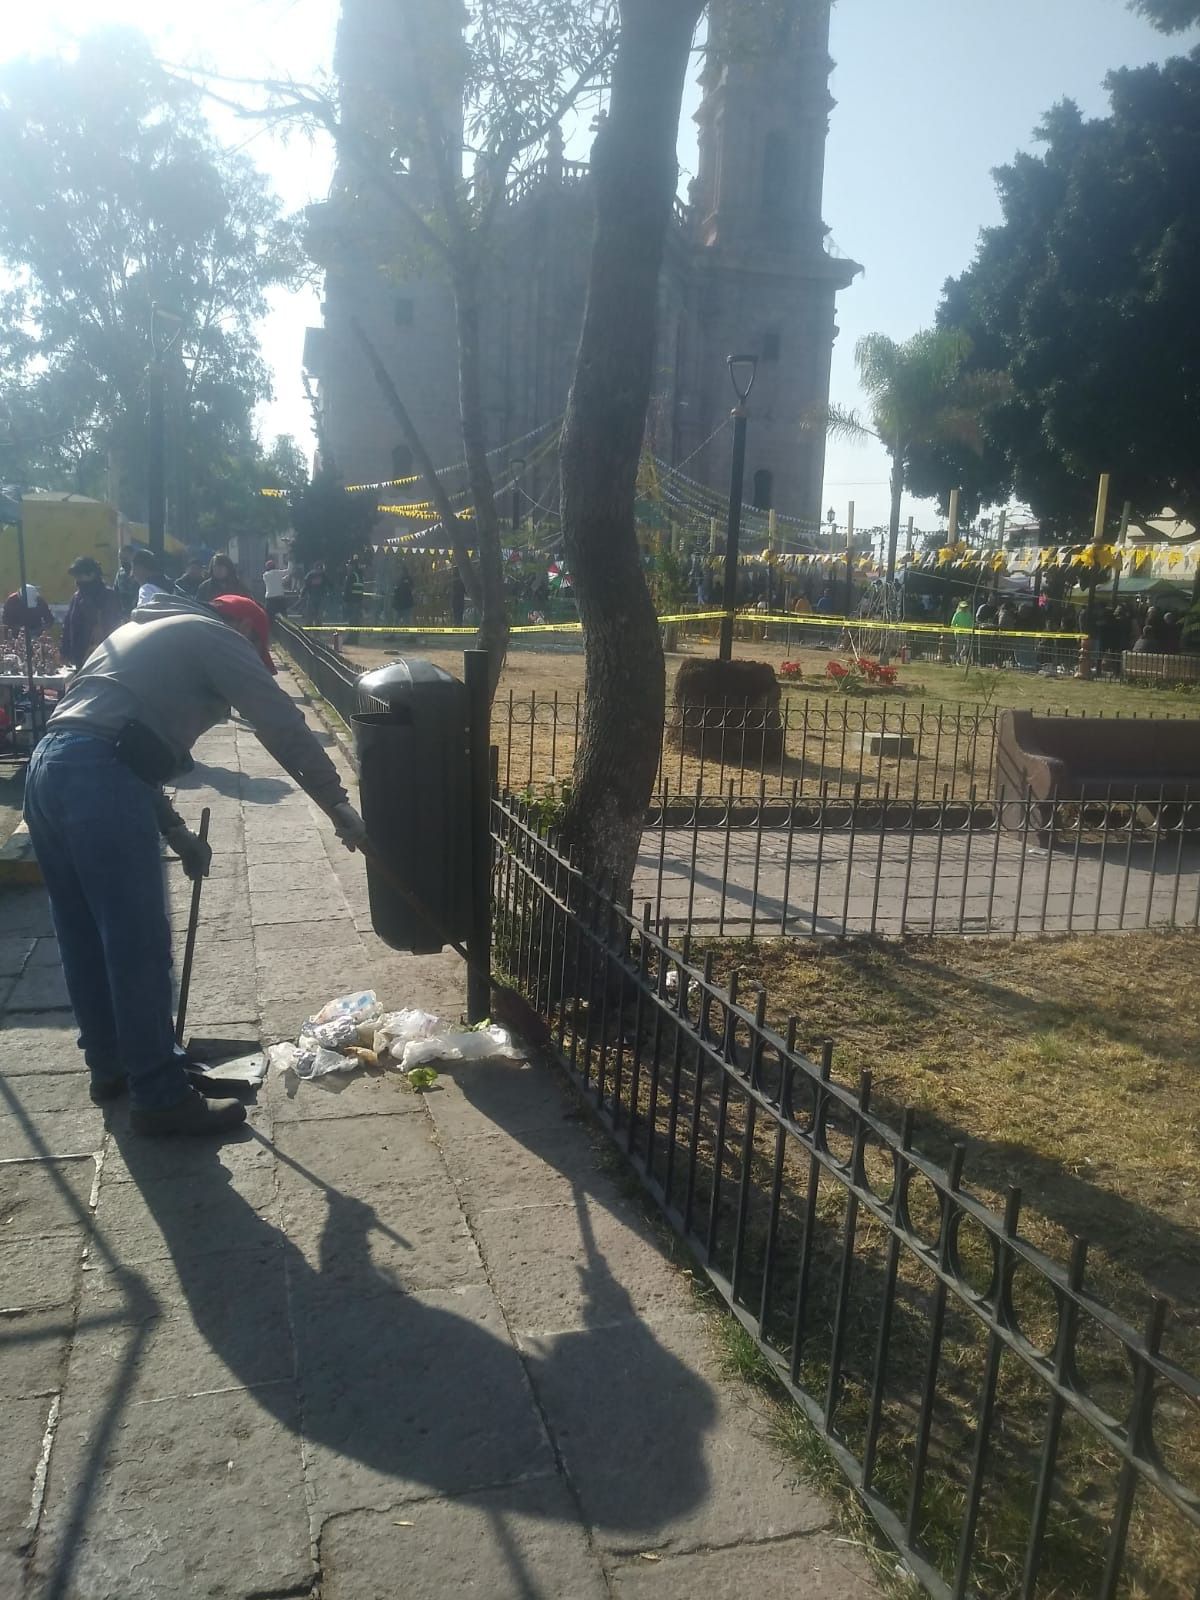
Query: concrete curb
[(18, 864)]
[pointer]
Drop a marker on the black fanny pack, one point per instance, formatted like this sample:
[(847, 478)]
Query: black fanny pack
[(147, 756)]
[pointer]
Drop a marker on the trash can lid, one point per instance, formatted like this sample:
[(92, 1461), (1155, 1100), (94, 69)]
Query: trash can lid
[(403, 678)]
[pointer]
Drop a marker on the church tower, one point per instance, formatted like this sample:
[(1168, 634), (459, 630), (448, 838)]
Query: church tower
[(766, 282)]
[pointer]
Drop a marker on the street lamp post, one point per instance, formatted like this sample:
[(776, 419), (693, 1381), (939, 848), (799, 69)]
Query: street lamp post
[(742, 371)]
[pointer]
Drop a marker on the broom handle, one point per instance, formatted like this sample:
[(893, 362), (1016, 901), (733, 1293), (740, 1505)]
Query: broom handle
[(189, 949)]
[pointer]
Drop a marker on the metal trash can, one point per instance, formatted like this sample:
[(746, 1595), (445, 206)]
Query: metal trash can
[(412, 738)]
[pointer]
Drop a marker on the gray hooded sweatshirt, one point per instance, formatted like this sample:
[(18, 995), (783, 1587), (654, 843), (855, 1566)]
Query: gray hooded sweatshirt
[(177, 668)]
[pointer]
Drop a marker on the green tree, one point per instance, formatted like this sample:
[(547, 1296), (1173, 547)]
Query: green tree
[(115, 197), (920, 397), (1168, 16), (1085, 295), (330, 525), (230, 497)]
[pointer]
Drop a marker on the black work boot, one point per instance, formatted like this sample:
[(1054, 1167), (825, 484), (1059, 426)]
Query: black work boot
[(192, 1114)]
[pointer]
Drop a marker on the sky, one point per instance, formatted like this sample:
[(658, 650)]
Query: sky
[(932, 94)]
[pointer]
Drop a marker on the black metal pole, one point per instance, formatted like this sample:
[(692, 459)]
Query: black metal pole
[(156, 464), (733, 534), (479, 940)]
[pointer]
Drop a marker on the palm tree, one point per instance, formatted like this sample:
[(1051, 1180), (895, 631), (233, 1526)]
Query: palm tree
[(919, 393)]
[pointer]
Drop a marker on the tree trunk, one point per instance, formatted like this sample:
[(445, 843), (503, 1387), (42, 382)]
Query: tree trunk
[(493, 627), (634, 178)]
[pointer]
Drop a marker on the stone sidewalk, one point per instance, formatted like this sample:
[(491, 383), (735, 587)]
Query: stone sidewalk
[(382, 1346)]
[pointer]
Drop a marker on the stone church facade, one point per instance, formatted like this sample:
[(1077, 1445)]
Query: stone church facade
[(747, 269)]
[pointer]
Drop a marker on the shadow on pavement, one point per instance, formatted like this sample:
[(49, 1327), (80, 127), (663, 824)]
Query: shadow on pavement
[(426, 1396)]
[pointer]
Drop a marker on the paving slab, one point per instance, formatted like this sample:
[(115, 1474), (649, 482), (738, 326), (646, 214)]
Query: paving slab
[(168, 1329), (415, 1395), (575, 1266), (356, 1156), (223, 980), (506, 1544), (25, 912), (351, 1248), (40, 1042), (27, 1093), (39, 988), (41, 1273), (502, 1170), (663, 1453), (15, 950), (188, 1497), (40, 1198), (198, 1215), (34, 1133), (355, 1094), (33, 1351)]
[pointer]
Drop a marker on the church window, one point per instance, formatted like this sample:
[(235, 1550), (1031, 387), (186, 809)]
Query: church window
[(404, 312), (402, 461), (775, 172), (764, 488), (771, 345)]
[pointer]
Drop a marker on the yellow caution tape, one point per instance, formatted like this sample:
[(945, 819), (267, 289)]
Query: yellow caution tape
[(807, 620)]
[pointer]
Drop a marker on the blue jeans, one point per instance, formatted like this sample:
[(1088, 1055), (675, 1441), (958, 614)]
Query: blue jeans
[(94, 830)]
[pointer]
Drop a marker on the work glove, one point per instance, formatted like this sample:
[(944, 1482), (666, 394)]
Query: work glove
[(191, 850), (348, 825)]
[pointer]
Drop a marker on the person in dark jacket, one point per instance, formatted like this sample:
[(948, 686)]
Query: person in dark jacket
[(353, 595), (188, 586), (222, 579), (315, 593), (125, 585), (95, 610), (95, 809)]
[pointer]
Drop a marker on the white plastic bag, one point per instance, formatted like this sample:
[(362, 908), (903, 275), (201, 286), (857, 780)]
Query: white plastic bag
[(470, 1044), (399, 1028), (316, 1062)]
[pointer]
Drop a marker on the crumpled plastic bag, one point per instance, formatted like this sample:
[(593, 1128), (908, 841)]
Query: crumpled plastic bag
[(401, 1027), (410, 1038), (340, 1023), (470, 1044)]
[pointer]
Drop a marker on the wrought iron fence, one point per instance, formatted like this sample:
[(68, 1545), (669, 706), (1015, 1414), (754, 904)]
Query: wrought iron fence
[(1008, 1432), (822, 865), (849, 745), (334, 678)]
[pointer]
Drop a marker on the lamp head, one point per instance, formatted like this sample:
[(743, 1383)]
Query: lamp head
[(742, 371)]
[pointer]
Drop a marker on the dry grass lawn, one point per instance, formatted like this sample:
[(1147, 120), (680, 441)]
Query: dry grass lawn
[(1069, 1069)]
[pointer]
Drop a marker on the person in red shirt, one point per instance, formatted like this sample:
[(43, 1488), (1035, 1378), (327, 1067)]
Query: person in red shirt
[(31, 612)]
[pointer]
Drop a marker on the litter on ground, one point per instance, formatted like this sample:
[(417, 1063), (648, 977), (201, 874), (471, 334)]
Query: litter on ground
[(354, 1031)]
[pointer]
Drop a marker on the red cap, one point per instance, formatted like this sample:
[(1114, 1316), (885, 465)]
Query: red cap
[(239, 608)]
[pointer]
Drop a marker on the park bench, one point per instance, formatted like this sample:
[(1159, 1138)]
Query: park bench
[(1057, 760)]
